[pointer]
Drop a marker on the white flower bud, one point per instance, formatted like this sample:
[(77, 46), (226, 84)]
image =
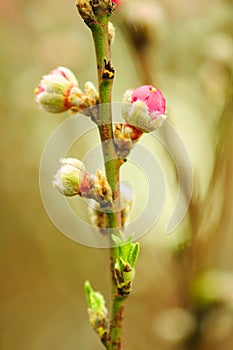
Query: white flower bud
[(72, 178), (54, 91)]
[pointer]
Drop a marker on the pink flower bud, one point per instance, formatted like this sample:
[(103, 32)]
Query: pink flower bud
[(152, 97), (57, 89), (65, 73), (144, 108)]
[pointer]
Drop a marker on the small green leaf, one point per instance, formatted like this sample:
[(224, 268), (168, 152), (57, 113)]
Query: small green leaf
[(95, 300), (117, 240), (134, 254), (88, 290), (130, 238)]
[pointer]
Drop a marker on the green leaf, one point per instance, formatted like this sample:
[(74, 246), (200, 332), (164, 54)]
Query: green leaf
[(123, 251), (134, 254), (127, 251), (117, 240), (88, 290), (130, 238), (95, 300)]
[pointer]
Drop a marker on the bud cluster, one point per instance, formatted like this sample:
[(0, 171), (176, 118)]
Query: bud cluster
[(93, 11), (58, 92), (73, 179)]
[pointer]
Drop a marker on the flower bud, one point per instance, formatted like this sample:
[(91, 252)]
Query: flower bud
[(144, 108), (72, 178), (56, 89), (58, 92)]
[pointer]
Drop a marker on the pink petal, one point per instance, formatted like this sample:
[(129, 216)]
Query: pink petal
[(152, 97)]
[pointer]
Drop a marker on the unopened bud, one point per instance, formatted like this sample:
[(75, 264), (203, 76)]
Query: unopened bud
[(55, 90), (144, 108), (72, 178), (58, 92)]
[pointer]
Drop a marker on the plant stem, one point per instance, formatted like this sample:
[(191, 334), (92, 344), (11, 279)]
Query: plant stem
[(103, 57), (112, 165), (117, 322)]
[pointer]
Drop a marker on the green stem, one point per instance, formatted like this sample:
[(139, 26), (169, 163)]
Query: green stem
[(103, 57), (117, 322), (112, 164)]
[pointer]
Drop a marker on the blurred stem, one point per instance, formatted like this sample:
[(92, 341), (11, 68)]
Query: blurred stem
[(139, 41), (221, 176), (112, 165)]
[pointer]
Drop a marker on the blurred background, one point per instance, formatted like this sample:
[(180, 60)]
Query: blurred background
[(183, 292)]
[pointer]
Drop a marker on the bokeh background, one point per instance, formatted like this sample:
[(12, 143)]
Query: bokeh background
[(182, 295)]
